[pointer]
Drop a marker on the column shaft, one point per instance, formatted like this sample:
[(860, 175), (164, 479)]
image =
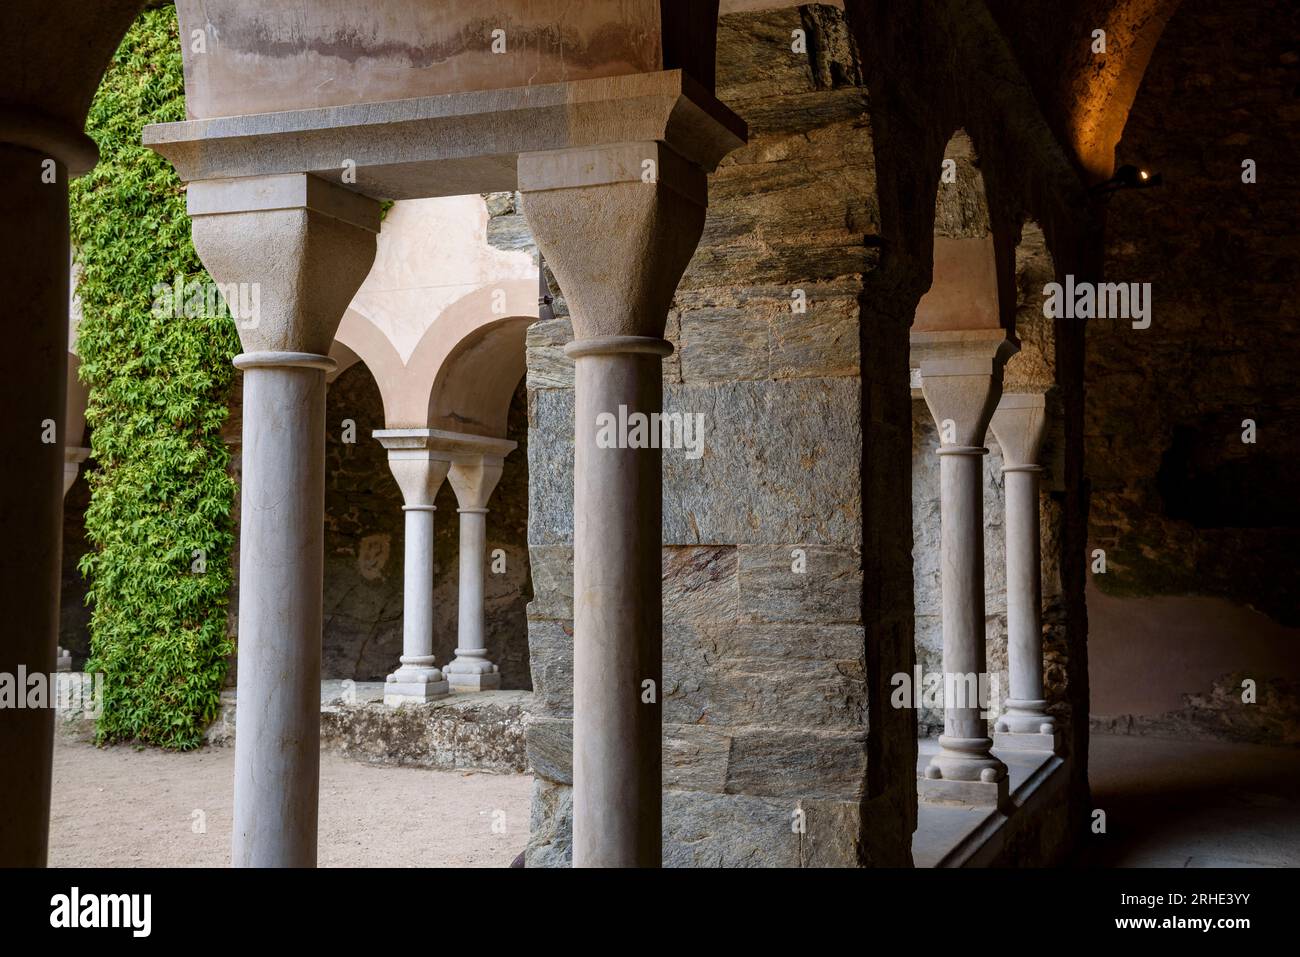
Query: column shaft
[(470, 640), (34, 275), (1024, 586), (417, 588), (961, 503), (281, 555), (617, 614)]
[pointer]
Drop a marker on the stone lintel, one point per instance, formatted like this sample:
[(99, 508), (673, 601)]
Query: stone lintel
[(454, 143)]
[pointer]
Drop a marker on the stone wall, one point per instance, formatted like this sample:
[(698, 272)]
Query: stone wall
[(74, 614), (767, 670), (1181, 505), (364, 547)]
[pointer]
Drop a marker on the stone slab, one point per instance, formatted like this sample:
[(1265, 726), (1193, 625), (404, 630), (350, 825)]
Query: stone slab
[(962, 793), (1012, 741), (456, 143)]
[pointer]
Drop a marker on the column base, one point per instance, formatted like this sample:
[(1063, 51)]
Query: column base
[(474, 682), (963, 793), (1021, 741), (402, 689), (471, 671)]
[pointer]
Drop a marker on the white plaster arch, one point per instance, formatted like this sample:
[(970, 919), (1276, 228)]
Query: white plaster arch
[(440, 320)]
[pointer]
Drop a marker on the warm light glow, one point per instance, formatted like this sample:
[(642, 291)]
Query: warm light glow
[(1143, 174)]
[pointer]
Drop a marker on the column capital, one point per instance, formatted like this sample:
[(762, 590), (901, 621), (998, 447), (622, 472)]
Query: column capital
[(474, 479), (618, 225), (293, 249), (1019, 424), (961, 380)]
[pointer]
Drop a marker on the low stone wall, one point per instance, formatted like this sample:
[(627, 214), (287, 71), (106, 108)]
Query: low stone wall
[(480, 731)]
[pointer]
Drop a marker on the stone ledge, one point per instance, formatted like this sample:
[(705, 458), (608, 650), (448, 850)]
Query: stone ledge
[(1034, 811)]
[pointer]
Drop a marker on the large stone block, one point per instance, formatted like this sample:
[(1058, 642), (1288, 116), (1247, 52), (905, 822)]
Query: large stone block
[(550, 467), (768, 693), (552, 568), (729, 830), (550, 839), (787, 452), (550, 645), (829, 589), (798, 764), (549, 744), (700, 584)]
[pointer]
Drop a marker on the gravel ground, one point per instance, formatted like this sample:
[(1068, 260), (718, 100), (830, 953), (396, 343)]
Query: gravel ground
[(122, 807)]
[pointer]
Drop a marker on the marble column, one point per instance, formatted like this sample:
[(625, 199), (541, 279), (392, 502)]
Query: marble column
[(420, 470), (38, 156), (1018, 425), (617, 226), (308, 245), (474, 479), (961, 387)]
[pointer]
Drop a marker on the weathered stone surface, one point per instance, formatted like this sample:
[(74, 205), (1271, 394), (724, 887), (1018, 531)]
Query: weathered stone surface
[(551, 644), (791, 490), (728, 830), (695, 757), (700, 584), (552, 567), (830, 590), (550, 841), (548, 366), (550, 748), (483, 731), (768, 692), (772, 762), (550, 465)]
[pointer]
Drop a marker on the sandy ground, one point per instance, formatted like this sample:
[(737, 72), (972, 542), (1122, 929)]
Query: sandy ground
[(119, 807)]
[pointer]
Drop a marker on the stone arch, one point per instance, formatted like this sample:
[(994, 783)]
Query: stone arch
[(1101, 91)]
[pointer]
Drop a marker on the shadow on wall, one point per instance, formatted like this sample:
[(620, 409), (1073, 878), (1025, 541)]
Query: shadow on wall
[(364, 547), (1162, 666)]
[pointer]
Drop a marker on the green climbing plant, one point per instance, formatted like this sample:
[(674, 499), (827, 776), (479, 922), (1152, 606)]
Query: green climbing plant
[(160, 516)]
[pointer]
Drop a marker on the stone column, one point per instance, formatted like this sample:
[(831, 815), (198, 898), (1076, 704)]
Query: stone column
[(307, 245), (38, 156), (961, 385), (474, 480), (420, 471), (1019, 424), (617, 226)]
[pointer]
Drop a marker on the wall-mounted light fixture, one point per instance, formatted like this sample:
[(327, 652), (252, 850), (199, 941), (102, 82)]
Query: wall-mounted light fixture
[(1129, 177)]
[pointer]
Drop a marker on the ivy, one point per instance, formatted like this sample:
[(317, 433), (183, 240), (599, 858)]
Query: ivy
[(159, 391)]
